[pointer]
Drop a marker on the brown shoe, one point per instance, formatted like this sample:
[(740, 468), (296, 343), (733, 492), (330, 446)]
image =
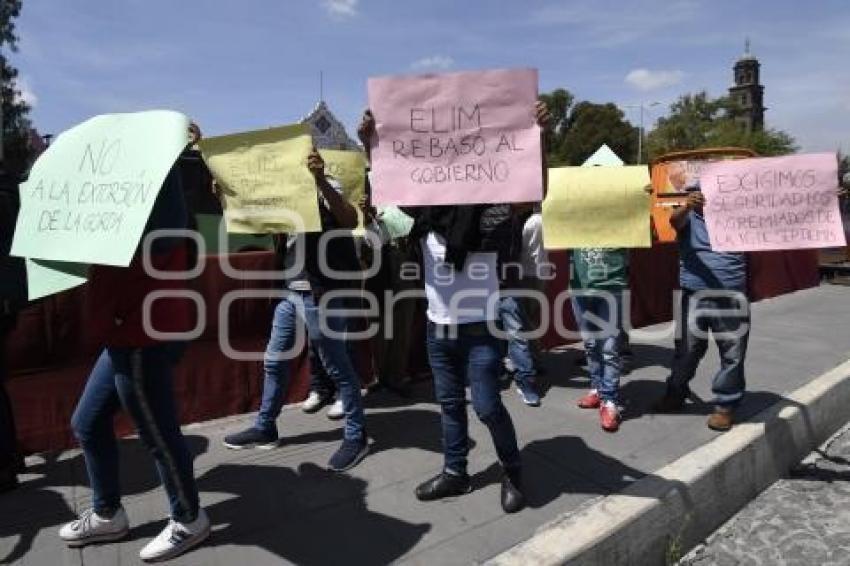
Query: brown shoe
[(721, 419), (669, 404)]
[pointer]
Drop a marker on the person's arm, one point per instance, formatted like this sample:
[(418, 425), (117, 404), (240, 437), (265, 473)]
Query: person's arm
[(344, 213), (679, 218), (544, 120), (366, 131)]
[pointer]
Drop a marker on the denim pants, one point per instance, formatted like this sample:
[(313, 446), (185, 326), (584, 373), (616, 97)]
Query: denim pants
[(301, 308), (602, 345), (692, 343), (140, 381), (472, 356), (515, 325)]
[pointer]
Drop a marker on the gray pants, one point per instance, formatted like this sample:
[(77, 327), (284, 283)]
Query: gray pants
[(729, 382)]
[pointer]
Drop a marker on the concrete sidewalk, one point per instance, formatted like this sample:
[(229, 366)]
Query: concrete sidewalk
[(278, 506)]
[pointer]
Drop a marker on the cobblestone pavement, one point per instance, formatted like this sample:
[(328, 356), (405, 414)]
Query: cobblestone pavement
[(801, 520)]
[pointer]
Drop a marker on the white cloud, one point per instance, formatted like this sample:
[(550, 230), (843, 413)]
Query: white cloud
[(433, 63), (646, 80), (26, 93), (340, 8)]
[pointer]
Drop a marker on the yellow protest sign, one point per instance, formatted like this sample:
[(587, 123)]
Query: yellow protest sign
[(349, 168), (597, 207), (264, 179)]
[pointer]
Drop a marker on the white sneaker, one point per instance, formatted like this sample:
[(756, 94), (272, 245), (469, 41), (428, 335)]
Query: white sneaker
[(91, 528), (313, 403), (177, 538), (336, 411)]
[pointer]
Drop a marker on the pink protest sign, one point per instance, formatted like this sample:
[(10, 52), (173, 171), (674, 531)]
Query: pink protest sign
[(456, 138), (776, 203)]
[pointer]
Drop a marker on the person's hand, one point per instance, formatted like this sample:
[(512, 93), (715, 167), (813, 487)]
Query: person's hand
[(366, 129), (194, 133), (542, 115), (316, 164), (696, 200)]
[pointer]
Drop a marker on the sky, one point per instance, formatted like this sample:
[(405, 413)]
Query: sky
[(236, 66)]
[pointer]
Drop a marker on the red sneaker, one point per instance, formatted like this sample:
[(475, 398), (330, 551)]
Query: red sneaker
[(609, 417), (590, 401)]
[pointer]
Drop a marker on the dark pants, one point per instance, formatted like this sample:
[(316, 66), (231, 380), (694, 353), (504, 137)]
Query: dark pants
[(8, 442), (320, 381), (471, 357), (140, 381), (391, 345), (729, 382)]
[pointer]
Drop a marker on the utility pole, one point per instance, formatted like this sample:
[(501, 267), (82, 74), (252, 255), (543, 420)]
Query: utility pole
[(642, 107)]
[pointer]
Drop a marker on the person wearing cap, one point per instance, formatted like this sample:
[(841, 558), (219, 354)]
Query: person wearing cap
[(714, 299)]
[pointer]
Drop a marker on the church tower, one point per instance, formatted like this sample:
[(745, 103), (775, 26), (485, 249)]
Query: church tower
[(748, 93)]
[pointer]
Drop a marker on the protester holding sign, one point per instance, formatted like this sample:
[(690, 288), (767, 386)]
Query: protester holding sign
[(714, 286), (462, 249), (461, 347), (599, 279), (134, 371), (325, 321)]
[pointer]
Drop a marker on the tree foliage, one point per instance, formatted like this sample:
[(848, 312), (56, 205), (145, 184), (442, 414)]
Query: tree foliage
[(16, 124), (591, 125), (697, 121), (578, 129)]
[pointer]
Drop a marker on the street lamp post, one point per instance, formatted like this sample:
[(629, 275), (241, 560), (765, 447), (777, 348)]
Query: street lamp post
[(642, 107)]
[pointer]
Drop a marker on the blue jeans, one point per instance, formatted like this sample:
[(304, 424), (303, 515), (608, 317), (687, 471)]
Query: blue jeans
[(602, 345), (140, 381), (320, 381), (729, 382), (515, 325), (470, 357), (332, 353)]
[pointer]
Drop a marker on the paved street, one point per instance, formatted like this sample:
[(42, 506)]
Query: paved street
[(269, 507), (802, 520)]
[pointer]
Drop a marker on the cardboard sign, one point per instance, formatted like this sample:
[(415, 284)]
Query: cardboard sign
[(264, 179), (597, 207), (777, 203), (89, 196), (456, 138)]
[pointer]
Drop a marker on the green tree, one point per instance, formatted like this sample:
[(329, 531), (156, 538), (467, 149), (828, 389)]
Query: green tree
[(697, 121), (559, 102), (17, 153), (590, 125)]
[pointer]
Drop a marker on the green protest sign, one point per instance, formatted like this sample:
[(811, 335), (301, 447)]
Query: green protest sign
[(90, 194)]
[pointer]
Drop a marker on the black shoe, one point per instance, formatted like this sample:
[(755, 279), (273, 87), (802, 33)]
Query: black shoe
[(443, 485), (512, 498), (672, 402), (251, 438), (348, 455)]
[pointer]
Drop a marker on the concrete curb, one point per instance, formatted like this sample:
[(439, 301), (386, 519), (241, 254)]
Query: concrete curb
[(661, 517)]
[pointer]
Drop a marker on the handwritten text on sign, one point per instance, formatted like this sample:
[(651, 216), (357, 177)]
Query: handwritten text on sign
[(89, 195), (264, 179), (456, 138), (776, 203)]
